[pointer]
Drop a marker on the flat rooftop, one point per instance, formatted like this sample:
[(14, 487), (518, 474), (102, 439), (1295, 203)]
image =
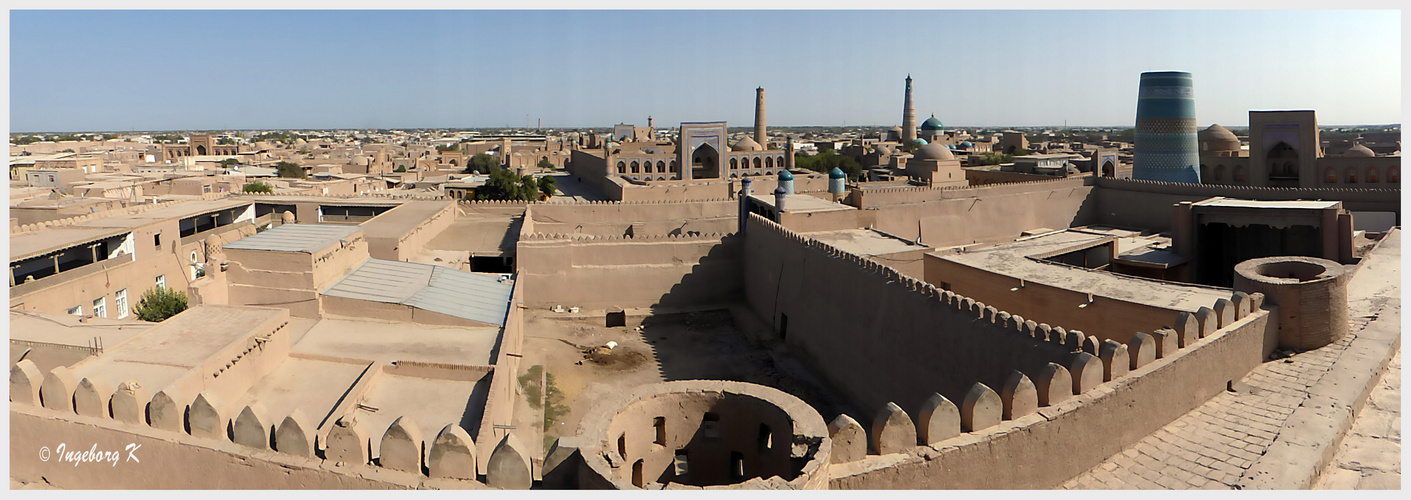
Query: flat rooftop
[(325, 200), (311, 385), (1016, 260), (865, 242), (398, 221), (474, 296), (34, 244), (1294, 204), (305, 238), (365, 340), (190, 338), (176, 211), (802, 203)]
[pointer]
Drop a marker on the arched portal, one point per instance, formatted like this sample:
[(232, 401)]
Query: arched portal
[(705, 163), (201, 150), (1282, 165), (1109, 169)]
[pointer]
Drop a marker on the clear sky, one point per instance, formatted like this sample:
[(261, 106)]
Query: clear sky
[(159, 70)]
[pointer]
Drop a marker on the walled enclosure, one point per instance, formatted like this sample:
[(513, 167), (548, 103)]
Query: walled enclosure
[(1147, 204), (292, 279), (945, 217), (1311, 295), (632, 438), (874, 356)]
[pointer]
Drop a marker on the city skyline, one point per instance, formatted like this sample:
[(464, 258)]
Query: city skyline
[(579, 69)]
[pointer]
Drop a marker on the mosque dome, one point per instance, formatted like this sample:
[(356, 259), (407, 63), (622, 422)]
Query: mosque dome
[(1358, 151), (950, 147), (1218, 138), (967, 144), (836, 173), (785, 175), (883, 149), (747, 144), (922, 141), (932, 124), (895, 128), (933, 152)]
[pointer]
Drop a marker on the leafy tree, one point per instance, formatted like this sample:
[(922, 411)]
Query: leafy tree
[(258, 187), (290, 170), (995, 158), (401, 169), (481, 163), (444, 148), (505, 185), (545, 163), (825, 161), (160, 303), (913, 145), (229, 162), (547, 186), (225, 141)]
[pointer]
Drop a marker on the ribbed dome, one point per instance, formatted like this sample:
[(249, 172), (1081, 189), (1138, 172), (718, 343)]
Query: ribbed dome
[(933, 152), (932, 124), (836, 173), (1358, 151), (747, 144), (1218, 138), (785, 175)]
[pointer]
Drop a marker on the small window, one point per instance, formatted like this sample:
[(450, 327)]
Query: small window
[(737, 466), (660, 424), (76, 310), (161, 282), (682, 464), (638, 474), (622, 445), (100, 307), (710, 425), (157, 240), (766, 438), (121, 303)]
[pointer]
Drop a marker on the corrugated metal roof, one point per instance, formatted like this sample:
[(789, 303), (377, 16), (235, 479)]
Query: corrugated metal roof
[(306, 238), (473, 296)]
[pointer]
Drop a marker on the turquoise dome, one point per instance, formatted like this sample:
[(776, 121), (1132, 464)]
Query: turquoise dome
[(785, 175), (922, 141), (836, 173), (932, 124), (967, 145)]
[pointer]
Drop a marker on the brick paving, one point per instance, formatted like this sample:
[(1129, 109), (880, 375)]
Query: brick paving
[(1212, 446)]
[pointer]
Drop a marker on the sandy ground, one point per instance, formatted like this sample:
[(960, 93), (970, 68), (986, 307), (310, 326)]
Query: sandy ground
[(680, 346)]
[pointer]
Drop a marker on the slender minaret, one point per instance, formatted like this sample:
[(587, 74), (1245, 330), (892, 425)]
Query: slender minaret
[(759, 119), (908, 120), (789, 154)]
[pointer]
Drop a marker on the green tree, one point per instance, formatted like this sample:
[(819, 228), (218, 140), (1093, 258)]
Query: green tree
[(401, 169), (444, 148), (481, 163), (160, 303), (547, 186), (505, 185), (913, 145), (290, 170), (258, 187), (827, 160), (229, 162), (545, 163)]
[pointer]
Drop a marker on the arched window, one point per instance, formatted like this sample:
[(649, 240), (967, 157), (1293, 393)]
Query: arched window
[(1332, 175), (621, 167), (769, 162), (673, 166), (1205, 174), (779, 162), (661, 167), (1219, 174), (734, 163), (634, 167), (1394, 175), (1372, 175), (1351, 175), (1239, 176), (756, 162)]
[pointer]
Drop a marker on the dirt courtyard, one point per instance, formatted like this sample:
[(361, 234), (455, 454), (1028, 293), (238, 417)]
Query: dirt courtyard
[(658, 348)]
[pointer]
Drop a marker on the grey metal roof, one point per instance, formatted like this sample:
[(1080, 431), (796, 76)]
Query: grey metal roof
[(473, 296), (306, 238)]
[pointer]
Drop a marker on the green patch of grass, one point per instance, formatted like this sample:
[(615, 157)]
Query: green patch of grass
[(529, 382)]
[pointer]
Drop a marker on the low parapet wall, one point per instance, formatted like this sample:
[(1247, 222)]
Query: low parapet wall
[(875, 197), (600, 272), (1147, 204)]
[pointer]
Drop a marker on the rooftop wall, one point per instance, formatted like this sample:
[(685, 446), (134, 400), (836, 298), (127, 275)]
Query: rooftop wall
[(947, 217), (599, 272), (1147, 204)]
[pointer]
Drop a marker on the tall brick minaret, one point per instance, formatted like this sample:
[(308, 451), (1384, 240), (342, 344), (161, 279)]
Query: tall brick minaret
[(908, 120), (759, 118)]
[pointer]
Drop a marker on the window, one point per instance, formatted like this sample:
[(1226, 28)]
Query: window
[(737, 466), (121, 303), (766, 438), (162, 281), (622, 445), (76, 310), (660, 425), (710, 426), (100, 307), (157, 241)]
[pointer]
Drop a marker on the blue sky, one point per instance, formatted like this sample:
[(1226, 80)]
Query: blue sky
[(146, 70)]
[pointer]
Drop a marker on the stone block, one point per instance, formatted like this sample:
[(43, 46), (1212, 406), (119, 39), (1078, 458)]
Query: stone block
[(91, 397), (1115, 360), (1002, 319), (295, 435), (1224, 312), (1166, 342), (989, 314), (560, 464), (849, 440), (1031, 328), (25, 380), (508, 468), (892, 430), (348, 442), (129, 403), (1256, 301), (402, 446), (1205, 316), (1141, 350), (453, 454), (1073, 340), (1086, 371), (939, 420), (1058, 335), (1055, 384), (1243, 305), (1090, 345), (1019, 397), (57, 389), (207, 417), (252, 427), (981, 408), (165, 412), (1187, 329), (1042, 332)]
